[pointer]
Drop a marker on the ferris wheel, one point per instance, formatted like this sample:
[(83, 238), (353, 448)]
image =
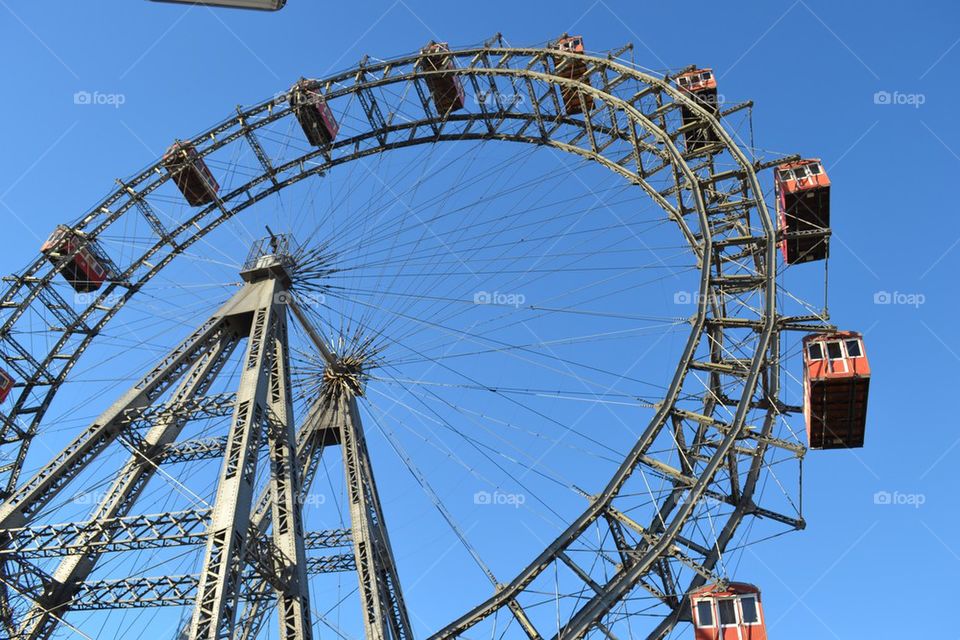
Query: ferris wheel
[(541, 291)]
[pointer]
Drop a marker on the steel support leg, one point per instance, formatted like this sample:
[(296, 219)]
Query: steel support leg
[(218, 592), (294, 600), (384, 611)]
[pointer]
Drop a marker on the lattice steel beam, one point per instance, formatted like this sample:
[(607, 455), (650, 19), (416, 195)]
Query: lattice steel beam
[(385, 612), (285, 488), (181, 590), (258, 150), (193, 408), (193, 450), (313, 437), (219, 587), (132, 533)]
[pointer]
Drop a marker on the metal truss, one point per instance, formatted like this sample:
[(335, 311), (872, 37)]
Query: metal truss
[(180, 591), (255, 549), (133, 533), (720, 445), (385, 614)]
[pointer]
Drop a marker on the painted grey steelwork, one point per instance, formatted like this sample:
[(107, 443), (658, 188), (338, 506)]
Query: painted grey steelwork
[(138, 532), (713, 196), (239, 561), (219, 589), (180, 591)]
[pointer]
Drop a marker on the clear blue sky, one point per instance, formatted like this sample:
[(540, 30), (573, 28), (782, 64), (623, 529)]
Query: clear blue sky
[(812, 67)]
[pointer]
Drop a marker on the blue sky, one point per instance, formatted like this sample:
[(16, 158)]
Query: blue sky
[(867, 87)]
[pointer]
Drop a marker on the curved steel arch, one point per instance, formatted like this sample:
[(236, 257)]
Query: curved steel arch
[(633, 133)]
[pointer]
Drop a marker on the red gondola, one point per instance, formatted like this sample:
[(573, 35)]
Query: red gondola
[(802, 191), (191, 174), (574, 101), (728, 612), (314, 114), (6, 384), (574, 44), (446, 88), (836, 382), (702, 85), (83, 269)]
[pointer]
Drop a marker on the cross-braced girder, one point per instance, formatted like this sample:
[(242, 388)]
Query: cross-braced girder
[(181, 591), (133, 533)]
